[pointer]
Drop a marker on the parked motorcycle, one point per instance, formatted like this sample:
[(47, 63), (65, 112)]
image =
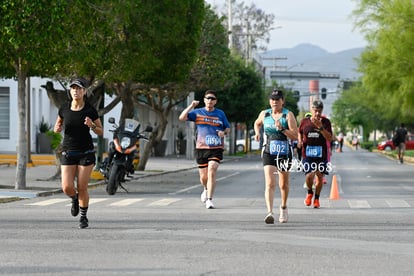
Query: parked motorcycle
[(119, 163)]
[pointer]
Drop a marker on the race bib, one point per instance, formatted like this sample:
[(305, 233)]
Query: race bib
[(213, 140), (278, 147), (314, 151)]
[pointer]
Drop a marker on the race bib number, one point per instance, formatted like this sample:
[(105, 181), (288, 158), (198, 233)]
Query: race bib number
[(213, 140), (314, 151), (278, 147)]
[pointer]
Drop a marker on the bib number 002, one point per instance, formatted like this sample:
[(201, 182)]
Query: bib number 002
[(278, 147)]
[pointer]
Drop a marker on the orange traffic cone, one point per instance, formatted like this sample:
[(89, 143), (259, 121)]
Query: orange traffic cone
[(334, 189)]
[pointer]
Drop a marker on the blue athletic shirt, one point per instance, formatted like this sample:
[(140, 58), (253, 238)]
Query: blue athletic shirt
[(207, 125)]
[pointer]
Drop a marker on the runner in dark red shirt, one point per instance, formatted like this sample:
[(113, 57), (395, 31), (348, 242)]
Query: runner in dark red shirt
[(314, 133)]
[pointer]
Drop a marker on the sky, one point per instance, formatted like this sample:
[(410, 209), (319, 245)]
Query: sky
[(324, 23)]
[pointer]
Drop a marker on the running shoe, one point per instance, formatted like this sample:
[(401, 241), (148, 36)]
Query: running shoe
[(75, 207), (308, 199), (269, 219), (209, 204), (83, 222), (203, 196), (283, 217), (316, 203)]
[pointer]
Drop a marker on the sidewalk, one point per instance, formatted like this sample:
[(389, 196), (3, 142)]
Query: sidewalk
[(38, 185)]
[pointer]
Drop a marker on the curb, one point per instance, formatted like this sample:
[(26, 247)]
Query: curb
[(407, 160), (9, 199)]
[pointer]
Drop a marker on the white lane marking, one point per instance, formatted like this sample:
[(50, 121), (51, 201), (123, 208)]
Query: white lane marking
[(358, 203), (48, 202), (397, 203), (164, 202), (185, 190), (198, 185), (96, 200), (126, 202), (228, 176), (93, 201)]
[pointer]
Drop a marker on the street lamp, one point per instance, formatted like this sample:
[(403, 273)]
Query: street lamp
[(287, 68), (294, 65), (281, 69), (286, 83)]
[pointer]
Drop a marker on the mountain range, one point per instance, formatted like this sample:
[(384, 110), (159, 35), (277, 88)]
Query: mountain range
[(311, 58)]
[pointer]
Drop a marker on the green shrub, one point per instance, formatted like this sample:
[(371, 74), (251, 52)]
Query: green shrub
[(56, 138), (43, 126), (367, 145), (409, 153)]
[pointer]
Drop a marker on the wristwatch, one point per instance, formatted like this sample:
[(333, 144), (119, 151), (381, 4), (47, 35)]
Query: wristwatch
[(321, 128), (93, 126)]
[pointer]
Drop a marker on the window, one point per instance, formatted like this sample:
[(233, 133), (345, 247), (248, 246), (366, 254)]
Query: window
[(4, 112)]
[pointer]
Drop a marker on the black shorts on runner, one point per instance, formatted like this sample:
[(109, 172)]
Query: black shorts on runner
[(78, 158), (206, 155), (282, 163)]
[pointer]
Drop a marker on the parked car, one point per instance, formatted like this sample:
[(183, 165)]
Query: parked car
[(389, 145), (240, 144)]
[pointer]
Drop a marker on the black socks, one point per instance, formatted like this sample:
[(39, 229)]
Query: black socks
[(83, 211)]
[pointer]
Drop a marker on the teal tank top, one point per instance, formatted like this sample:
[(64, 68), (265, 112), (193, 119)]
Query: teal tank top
[(270, 128), (276, 142)]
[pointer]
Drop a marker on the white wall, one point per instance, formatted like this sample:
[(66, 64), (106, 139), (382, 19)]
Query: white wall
[(9, 145), (40, 106)]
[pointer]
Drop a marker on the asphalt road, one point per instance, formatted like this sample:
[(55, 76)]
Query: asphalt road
[(160, 227)]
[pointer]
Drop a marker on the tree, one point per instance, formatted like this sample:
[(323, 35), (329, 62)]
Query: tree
[(212, 68), (153, 67), (354, 108), (388, 63), (245, 98), (27, 29), (243, 101), (43, 39), (134, 50), (250, 28)]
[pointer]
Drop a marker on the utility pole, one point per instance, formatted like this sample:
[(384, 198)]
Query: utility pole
[(230, 22), (247, 43)]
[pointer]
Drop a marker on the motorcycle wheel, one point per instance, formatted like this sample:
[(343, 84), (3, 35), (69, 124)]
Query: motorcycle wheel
[(114, 180)]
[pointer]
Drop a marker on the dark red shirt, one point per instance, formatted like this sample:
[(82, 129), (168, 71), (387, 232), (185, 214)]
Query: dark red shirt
[(314, 144)]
